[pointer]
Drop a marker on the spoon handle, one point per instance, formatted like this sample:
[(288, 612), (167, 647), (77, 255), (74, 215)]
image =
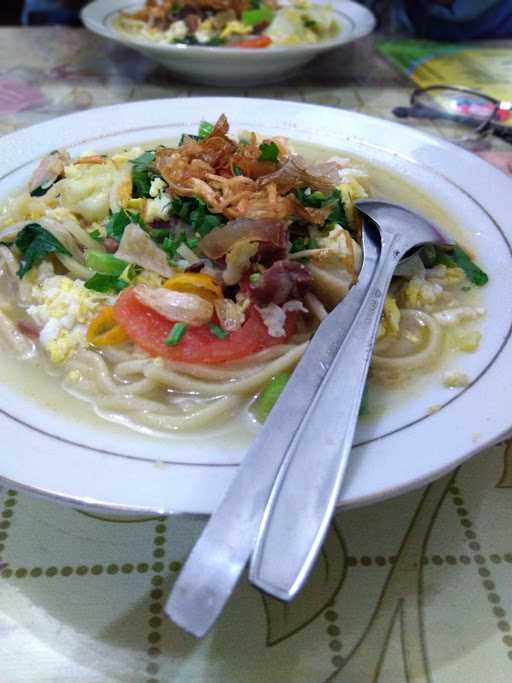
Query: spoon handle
[(305, 492), (219, 556)]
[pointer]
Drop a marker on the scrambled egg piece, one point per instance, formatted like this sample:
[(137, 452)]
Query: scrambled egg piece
[(63, 307), (177, 31), (122, 158), (205, 31), (157, 207), (235, 28), (445, 276), (419, 293), (455, 378)]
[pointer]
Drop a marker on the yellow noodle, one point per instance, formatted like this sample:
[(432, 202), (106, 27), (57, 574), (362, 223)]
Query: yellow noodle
[(166, 376)]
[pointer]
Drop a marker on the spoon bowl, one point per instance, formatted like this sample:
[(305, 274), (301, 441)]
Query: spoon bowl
[(299, 510)]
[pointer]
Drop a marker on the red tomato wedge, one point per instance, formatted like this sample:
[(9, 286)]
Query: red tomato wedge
[(257, 41), (149, 330)]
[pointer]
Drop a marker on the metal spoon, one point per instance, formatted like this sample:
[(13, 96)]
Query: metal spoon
[(223, 549), (304, 495)]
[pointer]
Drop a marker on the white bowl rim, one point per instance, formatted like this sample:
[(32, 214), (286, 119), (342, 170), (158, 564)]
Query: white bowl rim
[(446, 160)]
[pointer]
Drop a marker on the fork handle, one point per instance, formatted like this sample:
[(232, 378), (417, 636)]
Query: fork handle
[(304, 495)]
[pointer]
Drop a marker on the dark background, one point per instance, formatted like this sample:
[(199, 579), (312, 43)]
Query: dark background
[(10, 11)]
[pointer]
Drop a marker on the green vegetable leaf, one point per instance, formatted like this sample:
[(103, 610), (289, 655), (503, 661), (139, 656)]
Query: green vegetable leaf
[(118, 221), (217, 331), (177, 333), (143, 174), (253, 17), (145, 160), (237, 170), (310, 23), (205, 129), (453, 257), (100, 282), (473, 273), (35, 244), (269, 396), (269, 151)]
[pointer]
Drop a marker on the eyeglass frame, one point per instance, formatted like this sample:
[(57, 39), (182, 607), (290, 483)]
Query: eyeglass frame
[(486, 127)]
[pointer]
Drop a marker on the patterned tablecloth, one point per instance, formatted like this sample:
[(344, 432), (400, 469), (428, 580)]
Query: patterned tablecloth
[(413, 590)]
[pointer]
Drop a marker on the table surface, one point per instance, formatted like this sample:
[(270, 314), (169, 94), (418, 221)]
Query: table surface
[(412, 590)]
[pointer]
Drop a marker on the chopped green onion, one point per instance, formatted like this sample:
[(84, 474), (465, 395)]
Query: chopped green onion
[(96, 235), (107, 264), (269, 151), (177, 332), (157, 233), (269, 396), (205, 129), (237, 170), (317, 200), (254, 278), (196, 213), (253, 17), (105, 283), (217, 331)]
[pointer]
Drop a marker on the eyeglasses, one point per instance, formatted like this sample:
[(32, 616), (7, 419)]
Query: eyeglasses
[(481, 113)]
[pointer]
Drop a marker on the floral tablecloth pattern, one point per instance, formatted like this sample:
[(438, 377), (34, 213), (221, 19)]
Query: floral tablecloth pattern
[(413, 590)]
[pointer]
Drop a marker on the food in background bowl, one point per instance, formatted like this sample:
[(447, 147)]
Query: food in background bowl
[(233, 23), (176, 287)]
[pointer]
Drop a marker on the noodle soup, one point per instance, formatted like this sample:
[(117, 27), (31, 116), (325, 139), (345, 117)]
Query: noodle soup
[(240, 24), (175, 288)]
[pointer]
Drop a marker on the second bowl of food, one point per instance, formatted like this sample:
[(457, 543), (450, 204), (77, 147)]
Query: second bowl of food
[(229, 42)]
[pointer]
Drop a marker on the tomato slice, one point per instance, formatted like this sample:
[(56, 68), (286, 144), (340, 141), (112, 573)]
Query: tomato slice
[(256, 42), (149, 330)]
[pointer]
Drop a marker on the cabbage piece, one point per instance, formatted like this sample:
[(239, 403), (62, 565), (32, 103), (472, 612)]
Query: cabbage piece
[(137, 247), (86, 189)]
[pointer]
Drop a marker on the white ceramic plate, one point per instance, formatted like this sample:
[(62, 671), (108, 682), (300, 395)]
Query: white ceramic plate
[(64, 451), (228, 66)]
